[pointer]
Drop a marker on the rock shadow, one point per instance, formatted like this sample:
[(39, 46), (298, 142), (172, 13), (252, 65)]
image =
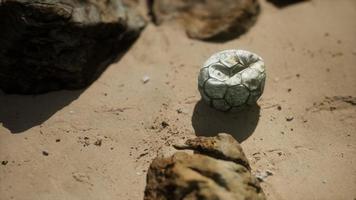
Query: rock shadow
[(209, 122), (19, 113), (285, 3)]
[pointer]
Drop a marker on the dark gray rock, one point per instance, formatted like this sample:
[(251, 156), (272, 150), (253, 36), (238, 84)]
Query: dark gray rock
[(61, 44)]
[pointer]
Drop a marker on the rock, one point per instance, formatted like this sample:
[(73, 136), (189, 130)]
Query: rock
[(289, 118), (140, 7), (98, 142), (223, 147), (214, 171), (61, 44), (209, 19), (45, 153), (145, 79)]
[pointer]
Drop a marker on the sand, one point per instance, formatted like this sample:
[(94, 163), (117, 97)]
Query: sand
[(97, 143)]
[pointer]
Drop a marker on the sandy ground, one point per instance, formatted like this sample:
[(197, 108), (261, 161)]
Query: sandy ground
[(97, 143)]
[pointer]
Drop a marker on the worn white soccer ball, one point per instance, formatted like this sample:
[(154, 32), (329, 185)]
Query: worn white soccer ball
[(232, 79)]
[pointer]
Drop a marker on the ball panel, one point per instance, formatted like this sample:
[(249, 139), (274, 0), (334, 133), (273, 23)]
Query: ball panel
[(213, 59), (254, 96), (229, 58), (258, 66), (237, 95), (250, 78), (220, 104), (247, 58), (203, 95), (238, 68), (219, 72), (215, 88), (203, 76), (263, 80), (235, 80)]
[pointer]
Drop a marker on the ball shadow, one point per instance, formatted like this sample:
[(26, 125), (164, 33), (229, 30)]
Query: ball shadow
[(209, 122)]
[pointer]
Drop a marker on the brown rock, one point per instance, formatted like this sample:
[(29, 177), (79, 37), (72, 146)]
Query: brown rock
[(209, 19), (205, 175), (223, 147)]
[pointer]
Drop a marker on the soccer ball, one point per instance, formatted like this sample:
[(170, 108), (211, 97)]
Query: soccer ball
[(232, 79)]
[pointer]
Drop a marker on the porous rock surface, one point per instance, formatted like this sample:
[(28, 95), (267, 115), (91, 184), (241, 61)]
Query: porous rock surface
[(218, 169), (208, 19), (61, 44)]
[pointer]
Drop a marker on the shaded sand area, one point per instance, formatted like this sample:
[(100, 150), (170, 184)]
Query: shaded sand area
[(97, 143)]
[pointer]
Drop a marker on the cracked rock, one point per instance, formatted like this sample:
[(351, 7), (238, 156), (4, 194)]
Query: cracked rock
[(214, 171), (61, 44)]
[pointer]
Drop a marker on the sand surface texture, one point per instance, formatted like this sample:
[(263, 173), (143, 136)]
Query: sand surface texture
[(97, 143)]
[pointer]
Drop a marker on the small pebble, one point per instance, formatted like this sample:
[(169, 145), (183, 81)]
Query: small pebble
[(289, 118), (182, 111), (164, 124), (98, 142), (145, 79), (45, 153)]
